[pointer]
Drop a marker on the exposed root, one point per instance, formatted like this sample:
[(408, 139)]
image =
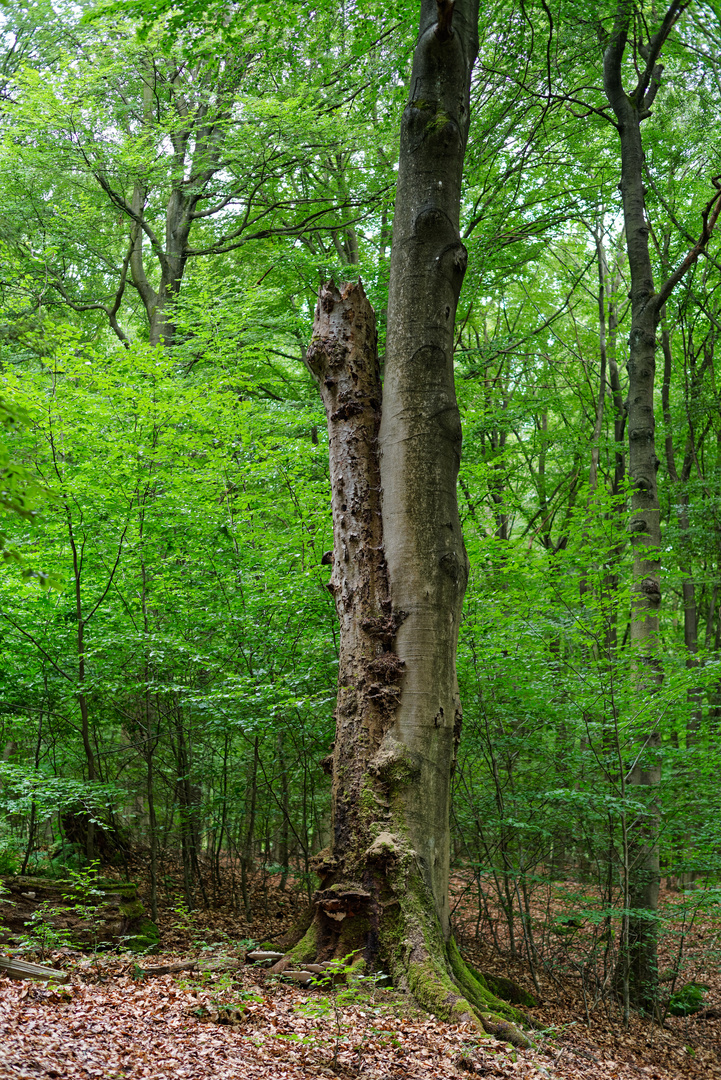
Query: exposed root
[(497, 1017), (387, 921), (449, 989)]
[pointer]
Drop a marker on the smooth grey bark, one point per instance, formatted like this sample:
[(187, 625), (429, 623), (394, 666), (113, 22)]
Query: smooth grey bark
[(644, 775), (420, 436)]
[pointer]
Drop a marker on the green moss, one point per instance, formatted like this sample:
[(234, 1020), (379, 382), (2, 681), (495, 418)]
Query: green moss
[(341, 887), (306, 950), (498, 1017), (445, 986), (434, 991), (145, 939), (395, 765), (131, 908), (367, 800), (505, 988)]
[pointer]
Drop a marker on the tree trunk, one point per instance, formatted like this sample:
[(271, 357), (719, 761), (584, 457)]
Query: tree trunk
[(399, 565), (644, 776), (246, 864), (644, 527)]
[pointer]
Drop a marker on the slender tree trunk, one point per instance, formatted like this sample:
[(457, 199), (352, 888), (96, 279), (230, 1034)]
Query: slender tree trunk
[(644, 776), (153, 827), (81, 691), (682, 503), (33, 807), (283, 836), (247, 849), (645, 530)]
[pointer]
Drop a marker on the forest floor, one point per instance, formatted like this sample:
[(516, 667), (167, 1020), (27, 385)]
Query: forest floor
[(111, 1022)]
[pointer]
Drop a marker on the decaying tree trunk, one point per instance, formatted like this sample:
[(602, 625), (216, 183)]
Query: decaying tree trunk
[(399, 565)]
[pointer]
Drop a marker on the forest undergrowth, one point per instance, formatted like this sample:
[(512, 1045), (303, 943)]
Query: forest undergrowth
[(111, 1021)]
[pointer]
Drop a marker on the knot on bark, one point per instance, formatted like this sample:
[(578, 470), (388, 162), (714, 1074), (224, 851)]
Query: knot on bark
[(651, 590), (641, 433), (394, 764), (432, 220), (642, 483), (454, 568), (455, 256), (642, 337), (637, 525)]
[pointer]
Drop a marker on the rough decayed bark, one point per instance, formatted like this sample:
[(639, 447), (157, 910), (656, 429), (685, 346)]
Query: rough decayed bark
[(399, 565), (377, 898)]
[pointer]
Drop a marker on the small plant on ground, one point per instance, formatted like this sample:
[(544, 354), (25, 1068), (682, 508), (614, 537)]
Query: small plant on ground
[(345, 985), (228, 997), (41, 933), (687, 1000), (86, 900)]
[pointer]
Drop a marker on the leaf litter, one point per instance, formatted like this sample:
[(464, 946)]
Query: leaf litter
[(108, 1023)]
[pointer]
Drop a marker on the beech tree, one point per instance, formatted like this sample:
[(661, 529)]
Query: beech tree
[(630, 109), (157, 161), (399, 563), (210, 664)]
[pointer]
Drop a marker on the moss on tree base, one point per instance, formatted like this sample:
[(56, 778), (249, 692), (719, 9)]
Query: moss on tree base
[(403, 938)]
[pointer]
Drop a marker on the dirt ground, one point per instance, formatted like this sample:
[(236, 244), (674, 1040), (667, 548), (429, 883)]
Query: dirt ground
[(110, 1021)]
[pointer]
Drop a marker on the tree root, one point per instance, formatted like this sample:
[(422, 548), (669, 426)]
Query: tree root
[(438, 992), (441, 982)]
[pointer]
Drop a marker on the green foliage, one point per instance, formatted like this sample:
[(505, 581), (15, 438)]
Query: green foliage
[(687, 1000), (343, 983), (177, 684), (42, 933)]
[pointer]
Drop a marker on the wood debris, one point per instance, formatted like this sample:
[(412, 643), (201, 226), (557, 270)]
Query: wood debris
[(20, 969)]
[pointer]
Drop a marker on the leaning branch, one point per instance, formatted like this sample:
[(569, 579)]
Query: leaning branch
[(709, 217), (652, 52)]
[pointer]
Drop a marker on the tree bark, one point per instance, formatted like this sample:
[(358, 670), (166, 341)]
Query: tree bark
[(400, 566)]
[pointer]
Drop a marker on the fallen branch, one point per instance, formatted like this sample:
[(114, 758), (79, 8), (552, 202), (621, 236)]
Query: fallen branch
[(20, 969)]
